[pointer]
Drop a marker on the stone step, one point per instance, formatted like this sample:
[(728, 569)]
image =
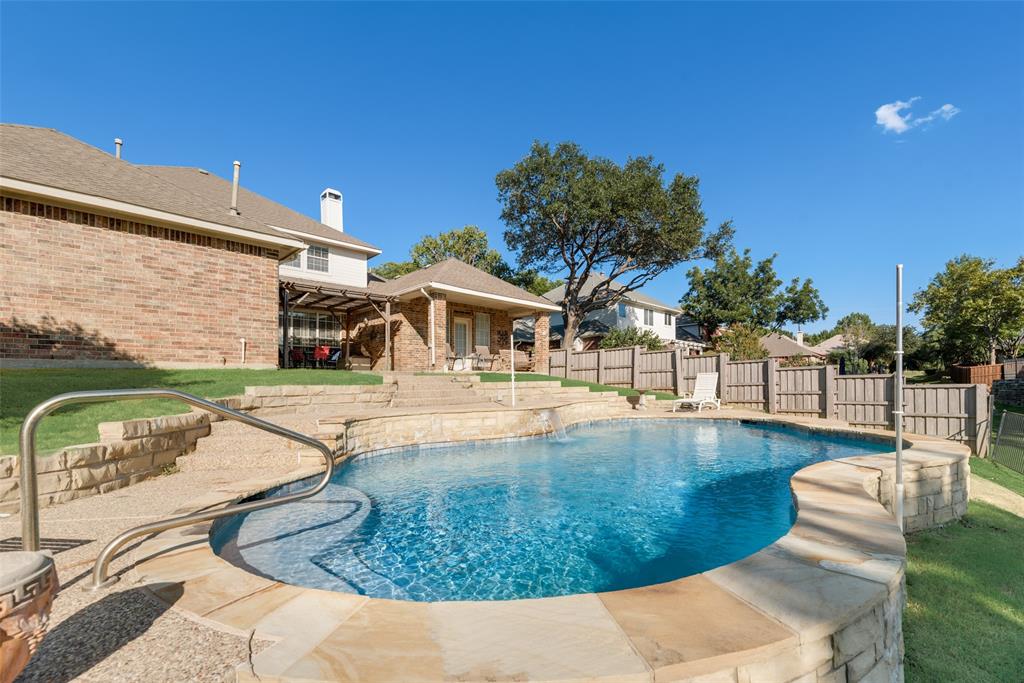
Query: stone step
[(400, 402)]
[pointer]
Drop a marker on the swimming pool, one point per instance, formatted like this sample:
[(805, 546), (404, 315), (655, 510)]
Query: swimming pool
[(615, 505)]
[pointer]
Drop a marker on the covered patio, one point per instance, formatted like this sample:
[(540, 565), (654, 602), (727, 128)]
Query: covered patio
[(319, 325)]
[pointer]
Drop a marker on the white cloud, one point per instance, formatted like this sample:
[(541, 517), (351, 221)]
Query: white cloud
[(891, 119), (888, 116)]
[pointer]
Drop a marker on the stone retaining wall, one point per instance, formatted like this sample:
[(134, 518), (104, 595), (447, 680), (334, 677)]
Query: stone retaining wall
[(126, 453), (361, 435), (288, 398), (1009, 391), (133, 450)]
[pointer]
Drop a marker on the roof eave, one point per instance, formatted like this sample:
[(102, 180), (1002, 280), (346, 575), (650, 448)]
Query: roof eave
[(442, 287), (103, 204), (373, 251)]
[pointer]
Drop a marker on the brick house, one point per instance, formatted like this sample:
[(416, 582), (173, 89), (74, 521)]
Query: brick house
[(106, 263)]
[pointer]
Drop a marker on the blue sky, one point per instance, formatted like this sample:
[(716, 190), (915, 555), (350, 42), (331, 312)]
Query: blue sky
[(411, 110)]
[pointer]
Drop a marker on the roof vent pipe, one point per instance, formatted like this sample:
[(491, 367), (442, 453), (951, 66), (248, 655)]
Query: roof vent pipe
[(234, 190), (117, 147)]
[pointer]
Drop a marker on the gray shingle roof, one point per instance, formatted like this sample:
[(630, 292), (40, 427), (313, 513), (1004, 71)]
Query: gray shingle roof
[(45, 156), (455, 273), (558, 293), (250, 204), (781, 346)]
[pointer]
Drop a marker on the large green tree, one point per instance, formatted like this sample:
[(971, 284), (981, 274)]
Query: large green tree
[(735, 290), (971, 310), (571, 213), (470, 245)]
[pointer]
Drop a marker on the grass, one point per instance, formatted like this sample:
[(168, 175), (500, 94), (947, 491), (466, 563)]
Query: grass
[(1000, 474), (20, 390), (965, 611), (997, 416), (593, 386), (921, 377)]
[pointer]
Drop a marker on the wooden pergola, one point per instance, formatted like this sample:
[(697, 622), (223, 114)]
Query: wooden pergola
[(341, 302)]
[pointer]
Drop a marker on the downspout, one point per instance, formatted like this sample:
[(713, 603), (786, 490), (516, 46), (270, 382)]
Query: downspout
[(432, 346)]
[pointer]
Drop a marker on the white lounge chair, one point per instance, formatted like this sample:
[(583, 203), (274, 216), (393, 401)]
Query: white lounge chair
[(704, 393)]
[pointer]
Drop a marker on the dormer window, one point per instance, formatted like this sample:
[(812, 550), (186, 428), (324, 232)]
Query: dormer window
[(316, 259)]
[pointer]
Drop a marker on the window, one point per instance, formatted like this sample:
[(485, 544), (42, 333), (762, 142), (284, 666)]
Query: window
[(295, 261), (622, 310), (482, 333), (668, 318), (316, 259), (648, 316)]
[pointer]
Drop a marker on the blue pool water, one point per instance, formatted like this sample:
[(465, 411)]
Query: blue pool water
[(616, 505)]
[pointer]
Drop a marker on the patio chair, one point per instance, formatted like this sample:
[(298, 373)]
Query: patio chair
[(335, 357), (320, 355), (482, 355), (704, 393), (449, 356), (297, 357)]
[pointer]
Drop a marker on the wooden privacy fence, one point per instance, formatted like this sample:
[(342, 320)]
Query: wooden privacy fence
[(959, 412)]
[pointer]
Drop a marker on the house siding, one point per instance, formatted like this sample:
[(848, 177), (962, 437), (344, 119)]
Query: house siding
[(84, 289), (344, 267)]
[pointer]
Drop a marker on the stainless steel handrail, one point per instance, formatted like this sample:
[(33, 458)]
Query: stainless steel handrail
[(29, 490)]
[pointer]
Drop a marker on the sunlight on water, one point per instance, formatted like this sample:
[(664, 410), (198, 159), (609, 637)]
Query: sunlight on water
[(616, 505)]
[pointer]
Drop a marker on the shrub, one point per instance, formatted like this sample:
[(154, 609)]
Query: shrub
[(632, 336), (741, 342)]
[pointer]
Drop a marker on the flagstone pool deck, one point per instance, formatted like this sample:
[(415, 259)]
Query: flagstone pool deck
[(822, 603)]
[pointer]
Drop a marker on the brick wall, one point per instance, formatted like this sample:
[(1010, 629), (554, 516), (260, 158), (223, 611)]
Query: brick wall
[(85, 289)]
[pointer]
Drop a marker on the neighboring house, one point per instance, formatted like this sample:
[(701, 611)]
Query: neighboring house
[(782, 347), (109, 263), (836, 342), (634, 309)]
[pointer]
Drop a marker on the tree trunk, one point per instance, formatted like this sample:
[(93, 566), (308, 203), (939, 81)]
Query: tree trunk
[(569, 331), (992, 353)]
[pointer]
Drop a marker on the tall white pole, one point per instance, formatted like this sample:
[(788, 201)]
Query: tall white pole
[(512, 357), (897, 412)]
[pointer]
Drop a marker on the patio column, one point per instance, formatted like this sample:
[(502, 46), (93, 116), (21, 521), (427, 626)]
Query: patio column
[(348, 342), (541, 342), (440, 330), (285, 359), (387, 336)]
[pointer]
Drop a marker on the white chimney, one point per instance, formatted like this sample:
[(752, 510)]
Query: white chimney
[(117, 147), (330, 209), (800, 338)]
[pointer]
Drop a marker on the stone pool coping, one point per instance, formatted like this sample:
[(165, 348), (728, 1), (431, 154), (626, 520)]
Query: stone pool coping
[(824, 601)]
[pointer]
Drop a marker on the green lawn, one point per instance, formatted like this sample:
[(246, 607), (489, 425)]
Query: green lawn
[(965, 612), (1000, 474), (997, 416), (531, 377), (20, 390)]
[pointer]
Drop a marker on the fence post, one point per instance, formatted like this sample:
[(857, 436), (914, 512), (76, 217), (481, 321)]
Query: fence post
[(635, 379), (677, 372), (723, 383), (770, 390), (982, 420), (600, 366), (828, 392)]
